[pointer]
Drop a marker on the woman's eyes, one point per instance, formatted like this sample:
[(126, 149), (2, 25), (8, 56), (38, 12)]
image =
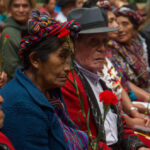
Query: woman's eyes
[(125, 23), (65, 54)]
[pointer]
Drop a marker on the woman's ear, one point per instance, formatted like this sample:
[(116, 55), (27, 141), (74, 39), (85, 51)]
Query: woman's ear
[(34, 59)]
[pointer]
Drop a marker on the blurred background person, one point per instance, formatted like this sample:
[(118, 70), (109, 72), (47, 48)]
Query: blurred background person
[(118, 3), (79, 3), (66, 6), (146, 26), (132, 48), (15, 27), (49, 6)]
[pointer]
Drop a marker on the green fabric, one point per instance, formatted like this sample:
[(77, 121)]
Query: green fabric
[(9, 51)]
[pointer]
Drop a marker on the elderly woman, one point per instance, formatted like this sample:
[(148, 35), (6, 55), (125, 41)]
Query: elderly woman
[(35, 112), (129, 53), (130, 49)]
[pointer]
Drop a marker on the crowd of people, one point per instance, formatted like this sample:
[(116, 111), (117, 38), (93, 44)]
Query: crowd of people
[(74, 75)]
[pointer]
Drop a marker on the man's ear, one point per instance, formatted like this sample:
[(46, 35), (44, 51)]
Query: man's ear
[(34, 59)]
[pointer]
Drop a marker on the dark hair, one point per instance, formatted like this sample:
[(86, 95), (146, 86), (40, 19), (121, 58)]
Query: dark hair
[(90, 3), (132, 6), (43, 49), (11, 1), (105, 14), (62, 3), (46, 1)]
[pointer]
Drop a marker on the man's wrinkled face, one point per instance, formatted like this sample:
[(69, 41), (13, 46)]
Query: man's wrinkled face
[(91, 50)]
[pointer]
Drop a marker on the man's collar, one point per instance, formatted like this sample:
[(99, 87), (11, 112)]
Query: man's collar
[(93, 77)]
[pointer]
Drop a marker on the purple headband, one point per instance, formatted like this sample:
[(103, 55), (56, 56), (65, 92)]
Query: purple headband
[(127, 12), (41, 26)]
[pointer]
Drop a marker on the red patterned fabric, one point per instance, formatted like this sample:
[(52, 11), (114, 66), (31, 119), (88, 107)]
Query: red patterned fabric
[(5, 140), (74, 109), (144, 140)]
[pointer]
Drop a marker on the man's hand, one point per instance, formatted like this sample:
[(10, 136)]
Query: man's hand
[(147, 121), (3, 79)]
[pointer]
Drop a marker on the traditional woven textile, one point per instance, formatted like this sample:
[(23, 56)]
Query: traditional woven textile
[(40, 26), (105, 4), (75, 138), (130, 64), (127, 12)]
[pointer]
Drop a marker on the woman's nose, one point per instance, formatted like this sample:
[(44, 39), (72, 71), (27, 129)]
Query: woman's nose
[(67, 67), (116, 25)]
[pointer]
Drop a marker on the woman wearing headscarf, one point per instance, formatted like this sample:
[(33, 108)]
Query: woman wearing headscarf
[(35, 112), (130, 50)]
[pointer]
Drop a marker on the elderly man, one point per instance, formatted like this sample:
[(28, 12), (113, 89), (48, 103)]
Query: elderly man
[(90, 48)]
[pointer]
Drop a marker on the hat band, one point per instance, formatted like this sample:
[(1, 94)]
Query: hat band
[(94, 25)]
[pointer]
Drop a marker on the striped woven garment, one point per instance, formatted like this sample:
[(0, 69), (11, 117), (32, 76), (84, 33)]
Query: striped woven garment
[(41, 26), (75, 138)]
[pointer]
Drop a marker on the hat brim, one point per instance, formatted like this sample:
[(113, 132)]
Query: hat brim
[(98, 30)]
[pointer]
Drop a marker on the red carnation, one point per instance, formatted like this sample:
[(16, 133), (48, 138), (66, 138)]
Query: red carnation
[(108, 97), (64, 33), (7, 36), (114, 100), (105, 97)]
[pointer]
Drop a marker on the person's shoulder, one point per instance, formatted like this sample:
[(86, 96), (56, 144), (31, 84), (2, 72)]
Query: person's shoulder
[(10, 30), (13, 34), (12, 89)]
